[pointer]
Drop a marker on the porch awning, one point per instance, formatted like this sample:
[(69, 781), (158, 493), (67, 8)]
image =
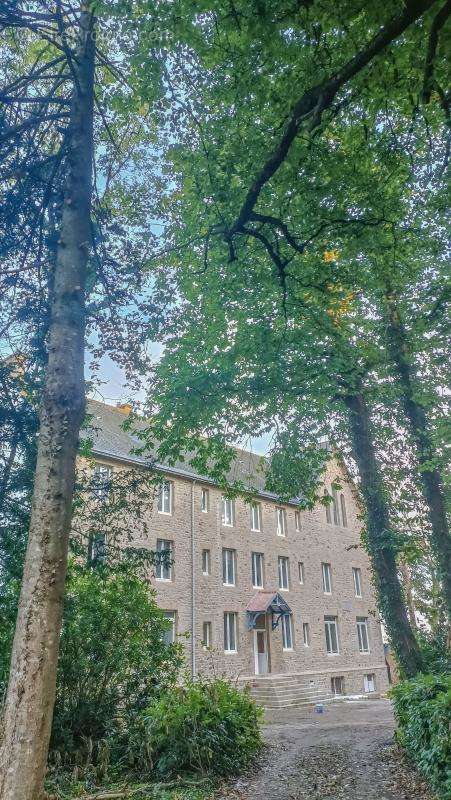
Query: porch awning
[(264, 601)]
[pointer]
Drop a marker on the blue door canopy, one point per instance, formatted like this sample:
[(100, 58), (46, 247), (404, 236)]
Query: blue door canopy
[(264, 602)]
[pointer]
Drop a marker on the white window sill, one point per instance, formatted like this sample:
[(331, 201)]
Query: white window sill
[(257, 587), (164, 580), (328, 594), (227, 524), (230, 652), (229, 585), (165, 513), (288, 649), (365, 652), (332, 655), (205, 574), (256, 530)]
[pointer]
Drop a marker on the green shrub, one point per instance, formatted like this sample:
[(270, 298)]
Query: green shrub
[(113, 661), (207, 727), (423, 713)]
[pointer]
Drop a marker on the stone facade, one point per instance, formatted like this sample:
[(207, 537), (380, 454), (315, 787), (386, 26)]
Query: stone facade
[(197, 598)]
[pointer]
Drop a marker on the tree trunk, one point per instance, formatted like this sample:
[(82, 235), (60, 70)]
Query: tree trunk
[(408, 593), (379, 538), (429, 474), (31, 691)]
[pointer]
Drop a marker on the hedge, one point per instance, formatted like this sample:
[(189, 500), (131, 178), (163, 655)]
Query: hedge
[(423, 713)]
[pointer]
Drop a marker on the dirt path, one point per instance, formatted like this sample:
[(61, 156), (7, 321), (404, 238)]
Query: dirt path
[(347, 752)]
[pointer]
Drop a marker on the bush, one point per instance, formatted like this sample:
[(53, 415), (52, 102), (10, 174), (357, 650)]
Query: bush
[(206, 727), (423, 714), (113, 661)]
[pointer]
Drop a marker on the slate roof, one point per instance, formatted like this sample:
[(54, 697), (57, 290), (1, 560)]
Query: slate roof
[(111, 441)]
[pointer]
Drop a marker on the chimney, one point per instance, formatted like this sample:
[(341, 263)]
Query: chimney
[(125, 408)]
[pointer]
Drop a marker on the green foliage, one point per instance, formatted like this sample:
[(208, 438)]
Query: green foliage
[(113, 662), (207, 727), (423, 712)]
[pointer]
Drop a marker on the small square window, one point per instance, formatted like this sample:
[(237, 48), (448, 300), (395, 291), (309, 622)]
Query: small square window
[(204, 501), (206, 562)]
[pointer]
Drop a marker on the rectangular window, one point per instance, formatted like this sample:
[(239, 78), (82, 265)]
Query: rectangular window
[(362, 634), (97, 548), (281, 522), (335, 509), (165, 498), (337, 684), (257, 570), (206, 635), (328, 510), (297, 521), (228, 512), (204, 500), (101, 482), (344, 516), (331, 630), (163, 567), (228, 567), (357, 576), (230, 644), (284, 572), (206, 561), (369, 683), (306, 634), (301, 571), (287, 632), (169, 634), (255, 517), (327, 578)]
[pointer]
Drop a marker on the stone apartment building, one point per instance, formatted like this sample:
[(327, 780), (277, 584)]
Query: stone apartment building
[(264, 590)]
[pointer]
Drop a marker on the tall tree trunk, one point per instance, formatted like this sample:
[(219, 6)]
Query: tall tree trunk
[(31, 691), (408, 593), (430, 477), (380, 539)]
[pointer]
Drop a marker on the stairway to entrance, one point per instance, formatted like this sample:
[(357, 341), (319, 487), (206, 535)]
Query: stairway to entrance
[(289, 691)]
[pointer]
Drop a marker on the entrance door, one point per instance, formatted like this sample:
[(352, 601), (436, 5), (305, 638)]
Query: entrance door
[(260, 652)]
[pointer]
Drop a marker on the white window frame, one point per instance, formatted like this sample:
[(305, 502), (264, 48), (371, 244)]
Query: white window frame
[(206, 562), (326, 573), (228, 512), (281, 519), (163, 572), (369, 680), (206, 634), (257, 562), (102, 475), (165, 492), (363, 635), (357, 578), (301, 572), (256, 517), (204, 501), (283, 567), (297, 521), (228, 567), (171, 615), (331, 624), (306, 633), (343, 511), (337, 681), (230, 632), (287, 632)]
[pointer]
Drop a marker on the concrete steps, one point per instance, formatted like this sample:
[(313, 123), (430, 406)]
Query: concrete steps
[(289, 691)]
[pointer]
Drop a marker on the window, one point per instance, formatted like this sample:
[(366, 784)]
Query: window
[(204, 500), (369, 683), (306, 633), (97, 548), (228, 567), (335, 508), (101, 482), (206, 635), (228, 514), (357, 576), (301, 571), (206, 561), (362, 634), (344, 516), (255, 517), (163, 570), (297, 520), (257, 570), (165, 498), (328, 511), (287, 632), (230, 632), (337, 684), (327, 578), (331, 630), (169, 634), (284, 569), (281, 521)]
